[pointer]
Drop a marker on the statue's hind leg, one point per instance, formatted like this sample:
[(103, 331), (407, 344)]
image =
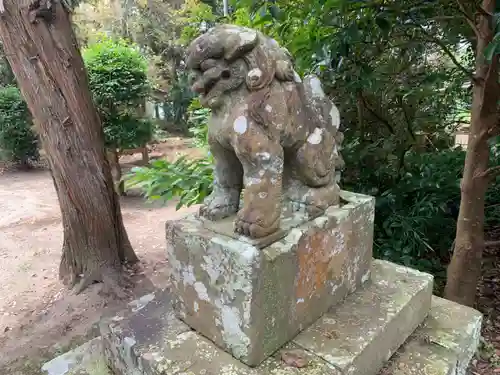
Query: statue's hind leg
[(311, 181)]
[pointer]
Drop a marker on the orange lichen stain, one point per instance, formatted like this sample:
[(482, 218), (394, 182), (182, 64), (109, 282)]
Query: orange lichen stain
[(316, 261)]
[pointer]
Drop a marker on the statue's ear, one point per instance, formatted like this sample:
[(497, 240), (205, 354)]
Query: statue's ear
[(239, 42)]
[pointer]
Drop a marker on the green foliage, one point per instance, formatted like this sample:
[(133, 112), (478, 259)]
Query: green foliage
[(178, 100), (118, 80), (196, 17), (18, 142), (189, 180), (493, 48), (198, 123), (117, 72), (417, 206)]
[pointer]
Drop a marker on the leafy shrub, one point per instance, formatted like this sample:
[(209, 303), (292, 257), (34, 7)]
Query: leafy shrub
[(118, 81), (176, 108), (18, 142), (198, 123), (415, 225), (417, 206), (190, 180)]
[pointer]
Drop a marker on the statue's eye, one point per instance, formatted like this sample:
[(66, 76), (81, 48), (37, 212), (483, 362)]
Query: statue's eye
[(226, 74), (193, 76)]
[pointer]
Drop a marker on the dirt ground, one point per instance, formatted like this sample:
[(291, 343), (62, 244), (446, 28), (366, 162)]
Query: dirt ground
[(38, 316)]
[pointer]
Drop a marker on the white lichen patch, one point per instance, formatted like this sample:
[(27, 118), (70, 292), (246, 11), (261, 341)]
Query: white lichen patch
[(263, 195), (202, 291), (188, 275), (265, 156), (212, 266), (252, 181), (366, 276), (316, 88), (181, 338), (232, 333), (335, 116), (240, 125), (141, 302), (273, 43), (315, 137), (268, 108), (296, 77), (255, 73), (129, 342), (247, 36)]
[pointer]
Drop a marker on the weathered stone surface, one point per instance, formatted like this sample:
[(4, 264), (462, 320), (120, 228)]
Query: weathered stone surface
[(86, 359), (443, 345), (151, 341), (250, 301), (363, 332), (148, 340), (271, 133)]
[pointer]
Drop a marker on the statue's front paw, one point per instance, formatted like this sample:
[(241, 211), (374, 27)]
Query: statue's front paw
[(217, 208), (255, 224)]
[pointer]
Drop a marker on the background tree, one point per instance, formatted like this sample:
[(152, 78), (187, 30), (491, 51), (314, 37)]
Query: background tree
[(465, 267), (119, 85), (18, 142), (44, 56)]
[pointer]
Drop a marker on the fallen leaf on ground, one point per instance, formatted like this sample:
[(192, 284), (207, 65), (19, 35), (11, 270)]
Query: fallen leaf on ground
[(295, 358)]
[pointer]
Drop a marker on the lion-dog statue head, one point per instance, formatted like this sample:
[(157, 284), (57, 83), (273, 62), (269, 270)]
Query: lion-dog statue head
[(228, 57)]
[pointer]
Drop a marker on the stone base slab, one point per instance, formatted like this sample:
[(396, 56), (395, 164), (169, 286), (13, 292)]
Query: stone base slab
[(147, 339), (359, 336), (251, 301), (443, 345)]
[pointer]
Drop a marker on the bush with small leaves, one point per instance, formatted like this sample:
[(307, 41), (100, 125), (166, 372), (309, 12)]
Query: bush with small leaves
[(118, 80), (18, 141)]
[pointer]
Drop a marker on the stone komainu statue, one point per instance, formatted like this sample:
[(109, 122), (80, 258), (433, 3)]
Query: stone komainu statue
[(270, 133)]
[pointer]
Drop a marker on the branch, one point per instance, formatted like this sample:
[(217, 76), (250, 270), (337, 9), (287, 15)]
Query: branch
[(491, 243), (380, 118), (452, 56), (490, 173), (484, 12), (470, 20), (445, 49), (407, 118)]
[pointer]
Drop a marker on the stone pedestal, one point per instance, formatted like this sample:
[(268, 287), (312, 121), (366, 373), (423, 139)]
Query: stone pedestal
[(250, 301), (354, 338)]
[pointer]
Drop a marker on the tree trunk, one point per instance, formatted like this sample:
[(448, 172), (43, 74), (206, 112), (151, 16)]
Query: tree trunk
[(145, 155), (113, 157), (465, 266), (46, 61)]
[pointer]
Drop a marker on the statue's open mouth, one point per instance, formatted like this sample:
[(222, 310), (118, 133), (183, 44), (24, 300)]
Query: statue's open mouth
[(209, 79), (208, 87)]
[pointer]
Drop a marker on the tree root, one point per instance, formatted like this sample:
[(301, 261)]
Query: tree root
[(115, 283)]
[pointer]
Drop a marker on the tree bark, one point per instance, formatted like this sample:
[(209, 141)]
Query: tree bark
[(46, 61), (465, 266)]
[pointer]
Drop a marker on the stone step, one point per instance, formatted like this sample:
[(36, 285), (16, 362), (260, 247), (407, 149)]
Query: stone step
[(362, 333), (443, 345), (357, 337)]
